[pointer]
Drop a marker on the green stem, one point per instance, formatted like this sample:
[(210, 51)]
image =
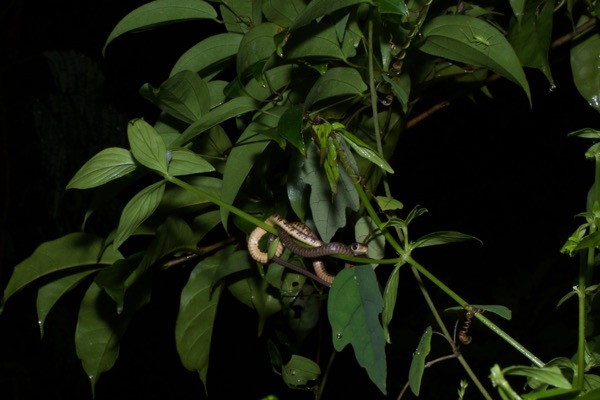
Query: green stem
[(215, 200), (374, 98)]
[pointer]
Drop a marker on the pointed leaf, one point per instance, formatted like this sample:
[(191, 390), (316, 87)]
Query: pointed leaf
[(549, 375), (328, 211), (531, 36), (319, 8), (70, 251), (318, 43), (185, 162), (197, 311), (290, 127), (256, 48), (475, 42), (209, 56), (251, 144), (366, 152), (300, 371), (52, 291), (184, 96), (137, 210), (99, 328), (334, 84), (109, 164), (442, 237), (353, 307), (585, 65), (502, 311), (231, 109), (161, 12), (282, 12), (417, 366), (147, 146), (390, 294), (392, 7)]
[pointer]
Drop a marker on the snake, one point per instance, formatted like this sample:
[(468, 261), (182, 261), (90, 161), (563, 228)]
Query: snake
[(288, 231)]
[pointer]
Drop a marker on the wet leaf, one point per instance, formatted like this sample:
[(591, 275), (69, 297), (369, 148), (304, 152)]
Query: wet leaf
[(197, 312), (75, 250), (417, 366), (353, 308), (475, 42)]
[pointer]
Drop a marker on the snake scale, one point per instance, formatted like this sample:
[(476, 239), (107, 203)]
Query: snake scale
[(289, 232)]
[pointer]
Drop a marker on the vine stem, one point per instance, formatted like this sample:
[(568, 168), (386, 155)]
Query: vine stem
[(215, 200)]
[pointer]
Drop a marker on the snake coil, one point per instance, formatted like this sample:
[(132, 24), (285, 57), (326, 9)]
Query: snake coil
[(289, 232)]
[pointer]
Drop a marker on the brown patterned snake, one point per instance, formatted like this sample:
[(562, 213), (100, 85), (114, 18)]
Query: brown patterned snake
[(291, 231)]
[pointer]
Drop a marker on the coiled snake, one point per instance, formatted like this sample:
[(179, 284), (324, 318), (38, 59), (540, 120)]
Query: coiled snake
[(288, 231)]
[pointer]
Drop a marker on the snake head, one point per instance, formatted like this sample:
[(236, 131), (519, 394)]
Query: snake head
[(359, 248)]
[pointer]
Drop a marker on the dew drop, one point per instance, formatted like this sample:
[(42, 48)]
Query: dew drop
[(339, 336), (552, 88)]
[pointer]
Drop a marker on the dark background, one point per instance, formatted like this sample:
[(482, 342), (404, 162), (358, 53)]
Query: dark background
[(495, 169)]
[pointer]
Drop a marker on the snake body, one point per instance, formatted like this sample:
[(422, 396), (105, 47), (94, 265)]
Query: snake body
[(288, 231)]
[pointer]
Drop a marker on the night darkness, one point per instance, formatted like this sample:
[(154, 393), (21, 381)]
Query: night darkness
[(493, 168)]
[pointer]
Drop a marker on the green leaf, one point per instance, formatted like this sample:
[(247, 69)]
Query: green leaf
[(317, 43), (442, 237), (99, 328), (366, 152), (328, 211), (389, 203), (290, 127), (549, 375), (179, 200), (137, 210), (300, 371), (256, 48), (319, 8), (277, 78), (587, 133), (390, 294), (475, 42), (157, 13), (518, 8), (336, 83), (210, 56), (197, 312), (184, 96), (255, 292), (112, 279), (231, 109), (502, 311), (52, 291), (417, 366), (531, 36), (282, 12), (585, 65), (185, 162), (353, 307), (251, 144), (74, 250), (392, 7), (400, 88), (147, 146), (109, 164), (172, 236), (240, 15), (365, 231)]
